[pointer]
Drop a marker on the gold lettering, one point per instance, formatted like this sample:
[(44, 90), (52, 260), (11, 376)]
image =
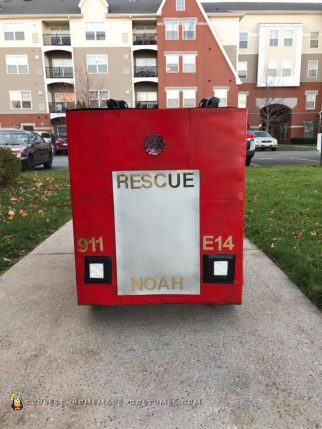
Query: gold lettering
[(156, 180), (146, 181), (163, 283), (122, 178), (137, 284), (135, 180), (207, 242), (153, 283), (187, 179), (179, 282)]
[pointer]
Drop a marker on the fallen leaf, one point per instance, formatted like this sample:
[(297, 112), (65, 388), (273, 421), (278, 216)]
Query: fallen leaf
[(23, 213), (11, 214), (60, 206), (13, 199), (298, 235)]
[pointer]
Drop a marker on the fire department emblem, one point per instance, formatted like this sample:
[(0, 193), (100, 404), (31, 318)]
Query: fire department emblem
[(154, 144)]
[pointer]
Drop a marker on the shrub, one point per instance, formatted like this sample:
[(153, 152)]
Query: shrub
[(303, 140), (10, 166)]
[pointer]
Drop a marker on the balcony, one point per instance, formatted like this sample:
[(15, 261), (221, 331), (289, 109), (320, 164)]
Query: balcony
[(146, 104), (56, 39), (59, 72), (144, 39), (61, 106), (145, 71)]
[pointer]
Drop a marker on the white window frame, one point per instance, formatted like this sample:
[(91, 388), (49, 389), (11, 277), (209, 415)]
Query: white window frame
[(180, 5), (312, 69), (97, 63), (174, 29), (172, 60), (271, 39), (186, 64), (287, 66), (288, 41), (314, 39), (14, 28), (189, 101), (97, 29), (17, 61), (100, 99), (13, 98), (310, 97), (242, 99), (242, 67), (223, 99), (243, 40), (185, 32), (272, 69), (173, 92)]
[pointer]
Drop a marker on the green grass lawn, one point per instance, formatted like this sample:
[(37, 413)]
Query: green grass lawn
[(296, 147), (284, 219), (32, 209)]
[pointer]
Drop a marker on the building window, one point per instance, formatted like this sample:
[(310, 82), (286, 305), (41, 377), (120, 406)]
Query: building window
[(189, 63), (95, 30), (189, 97), (189, 29), (172, 98), (97, 98), (96, 64), (172, 29), (286, 68), (20, 99), (17, 64), (273, 38), (222, 94), (147, 100), (180, 5), (308, 129), (314, 40), (14, 31), (312, 69), (243, 40), (288, 37), (172, 63), (242, 69), (272, 69), (242, 99), (310, 98)]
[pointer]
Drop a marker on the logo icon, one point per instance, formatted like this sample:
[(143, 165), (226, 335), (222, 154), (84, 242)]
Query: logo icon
[(154, 144), (16, 402)]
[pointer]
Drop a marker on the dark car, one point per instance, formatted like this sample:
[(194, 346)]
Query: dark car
[(28, 146), (250, 146), (61, 145)]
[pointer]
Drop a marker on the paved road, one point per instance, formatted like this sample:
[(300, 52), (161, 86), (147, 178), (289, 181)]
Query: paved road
[(261, 159), (60, 162), (269, 158)]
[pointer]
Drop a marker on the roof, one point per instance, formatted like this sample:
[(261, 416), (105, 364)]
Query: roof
[(69, 7), (226, 7)]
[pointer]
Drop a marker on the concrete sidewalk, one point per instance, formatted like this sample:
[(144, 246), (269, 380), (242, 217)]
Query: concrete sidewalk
[(254, 366)]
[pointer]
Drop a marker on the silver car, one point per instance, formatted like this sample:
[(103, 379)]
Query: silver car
[(263, 140)]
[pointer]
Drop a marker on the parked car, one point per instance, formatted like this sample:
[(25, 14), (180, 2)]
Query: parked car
[(48, 138), (250, 146), (61, 145), (263, 140), (28, 146)]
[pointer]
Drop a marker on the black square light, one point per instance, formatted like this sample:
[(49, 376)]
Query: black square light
[(98, 269), (219, 268)]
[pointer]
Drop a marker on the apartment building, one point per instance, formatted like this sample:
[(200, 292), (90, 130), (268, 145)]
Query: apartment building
[(64, 54)]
